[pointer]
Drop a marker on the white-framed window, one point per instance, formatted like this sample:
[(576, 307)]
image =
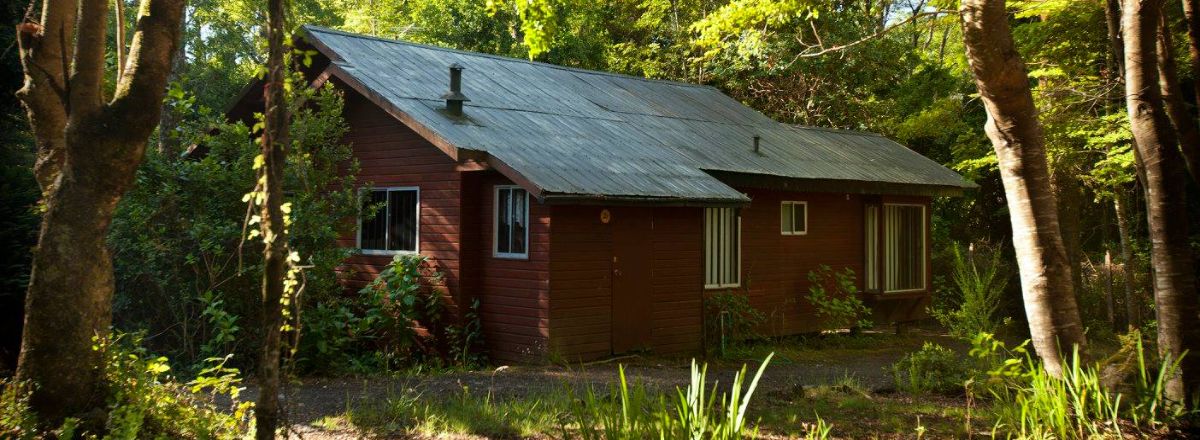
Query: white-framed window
[(722, 248), (793, 218), (510, 236), (903, 247), (396, 225), (871, 253)]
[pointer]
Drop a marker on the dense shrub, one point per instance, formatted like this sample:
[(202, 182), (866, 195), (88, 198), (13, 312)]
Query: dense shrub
[(730, 319), (182, 269), (397, 320), (835, 297), (980, 277), (144, 400), (932, 369)]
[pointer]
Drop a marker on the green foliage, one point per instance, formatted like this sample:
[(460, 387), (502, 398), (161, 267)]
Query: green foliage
[(144, 401), (730, 319), (397, 320), (697, 413), (981, 276), (835, 297), (182, 269), (933, 369), (1030, 403)]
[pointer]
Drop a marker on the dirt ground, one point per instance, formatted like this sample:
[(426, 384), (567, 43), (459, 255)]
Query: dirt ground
[(311, 399)]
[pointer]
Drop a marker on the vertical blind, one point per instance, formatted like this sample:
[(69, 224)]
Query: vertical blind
[(871, 238), (722, 260), (904, 247), (394, 225)]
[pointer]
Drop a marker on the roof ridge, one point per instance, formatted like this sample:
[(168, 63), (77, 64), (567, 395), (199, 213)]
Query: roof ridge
[(833, 130), (312, 27)]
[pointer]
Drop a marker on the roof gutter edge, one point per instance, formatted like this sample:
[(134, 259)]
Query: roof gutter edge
[(602, 199)]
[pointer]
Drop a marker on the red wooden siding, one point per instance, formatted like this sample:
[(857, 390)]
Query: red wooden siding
[(391, 155), (513, 294), (775, 267), (581, 306)]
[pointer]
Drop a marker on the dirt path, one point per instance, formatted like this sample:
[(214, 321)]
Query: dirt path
[(315, 398)]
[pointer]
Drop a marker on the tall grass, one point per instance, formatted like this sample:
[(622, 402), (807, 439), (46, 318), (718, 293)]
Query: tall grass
[(696, 413), (1030, 403)]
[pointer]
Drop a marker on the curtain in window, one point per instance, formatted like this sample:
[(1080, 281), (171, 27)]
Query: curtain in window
[(512, 215), (871, 253), (904, 247)]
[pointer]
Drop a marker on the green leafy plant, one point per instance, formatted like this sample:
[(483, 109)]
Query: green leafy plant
[(981, 277), (835, 297), (222, 325), (465, 342), (932, 369), (144, 400), (730, 319)]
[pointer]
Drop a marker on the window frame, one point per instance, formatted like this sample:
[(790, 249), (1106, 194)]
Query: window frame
[(496, 220), (737, 215), (885, 237), (387, 230), (791, 204)]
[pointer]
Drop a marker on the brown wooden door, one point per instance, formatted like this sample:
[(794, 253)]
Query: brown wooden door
[(632, 231)]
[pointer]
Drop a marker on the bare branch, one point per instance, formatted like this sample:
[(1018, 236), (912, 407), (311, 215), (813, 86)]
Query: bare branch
[(841, 47), (87, 72)]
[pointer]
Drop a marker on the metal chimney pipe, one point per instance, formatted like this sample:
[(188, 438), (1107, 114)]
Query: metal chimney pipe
[(756, 139), (455, 98)]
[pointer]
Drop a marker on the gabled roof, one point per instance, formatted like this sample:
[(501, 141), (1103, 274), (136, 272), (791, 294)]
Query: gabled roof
[(574, 133)]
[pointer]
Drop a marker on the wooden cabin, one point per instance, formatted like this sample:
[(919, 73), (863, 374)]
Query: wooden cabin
[(590, 213)]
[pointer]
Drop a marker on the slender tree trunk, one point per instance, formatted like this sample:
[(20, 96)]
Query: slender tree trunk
[(119, 13), (1017, 137), (1168, 81), (1069, 196), (168, 122), (88, 149), (1176, 303), (1132, 303), (274, 232)]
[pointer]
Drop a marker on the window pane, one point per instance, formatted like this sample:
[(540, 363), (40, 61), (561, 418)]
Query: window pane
[(503, 225), (871, 226), (402, 206), (785, 221), (518, 221), (800, 219), (373, 232), (721, 263), (905, 247)]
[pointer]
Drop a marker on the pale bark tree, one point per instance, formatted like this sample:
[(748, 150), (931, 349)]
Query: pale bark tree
[(274, 233), (1165, 182), (88, 146), (1017, 137), (1172, 96)]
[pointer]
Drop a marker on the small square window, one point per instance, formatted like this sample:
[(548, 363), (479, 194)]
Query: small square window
[(395, 225), (793, 218)]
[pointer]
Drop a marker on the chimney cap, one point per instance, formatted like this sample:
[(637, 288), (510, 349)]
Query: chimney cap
[(457, 66)]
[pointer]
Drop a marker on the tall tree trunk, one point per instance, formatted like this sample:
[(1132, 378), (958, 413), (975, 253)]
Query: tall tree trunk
[(1133, 308), (87, 152), (1165, 185), (1017, 137), (1176, 106), (1069, 195), (274, 232)]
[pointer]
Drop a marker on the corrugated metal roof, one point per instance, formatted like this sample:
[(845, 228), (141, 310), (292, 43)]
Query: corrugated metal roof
[(574, 132)]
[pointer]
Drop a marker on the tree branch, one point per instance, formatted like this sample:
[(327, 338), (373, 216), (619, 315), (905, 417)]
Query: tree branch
[(87, 72), (826, 50), (140, 91)]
